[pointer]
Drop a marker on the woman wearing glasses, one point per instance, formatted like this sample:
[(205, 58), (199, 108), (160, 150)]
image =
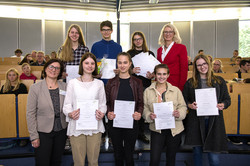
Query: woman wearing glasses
[(205, 133), (45, 118), (217, 66), (173, 54)]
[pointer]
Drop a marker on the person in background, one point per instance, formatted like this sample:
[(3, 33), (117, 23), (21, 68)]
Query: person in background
[(162, 91), (173, 54), (235, 54), (190, 63), (217, 66), (127, 88), (33, 55), (12, 84), (47, 58), (205, 133), (73, 47), (53, 55), (40, 59), (106, 48), (201, 52), (27, 59), (210, 59), (45, 119), (139, 45), (236, 61), (18, 53), (84, 88), (244, 67), (27, 75)]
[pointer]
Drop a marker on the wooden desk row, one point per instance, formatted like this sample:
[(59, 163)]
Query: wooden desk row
[(10, 117)]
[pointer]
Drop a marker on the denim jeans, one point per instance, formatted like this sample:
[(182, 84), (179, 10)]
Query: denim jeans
[(213, 158)]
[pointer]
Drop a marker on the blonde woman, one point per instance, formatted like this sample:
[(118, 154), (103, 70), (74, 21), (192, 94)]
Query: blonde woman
[(217, 66), (12, 84), (74, 46), (174, 55)]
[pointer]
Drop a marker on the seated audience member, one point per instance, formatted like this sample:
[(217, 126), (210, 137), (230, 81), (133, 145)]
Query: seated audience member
[(47, 58), (190, 63), (53, 55), (201, 52), (33, 55), (236, 61), (217, 66), (27, 75), (12, 84), (210, 58), (244, 67), (27, 59), (235, 54), (40, 59), (18, 53)]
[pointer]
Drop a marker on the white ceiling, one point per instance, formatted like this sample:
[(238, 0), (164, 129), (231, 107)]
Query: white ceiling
[(129, 5)]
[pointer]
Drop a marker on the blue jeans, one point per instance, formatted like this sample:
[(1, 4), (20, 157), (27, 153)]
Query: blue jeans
[(213, 158)]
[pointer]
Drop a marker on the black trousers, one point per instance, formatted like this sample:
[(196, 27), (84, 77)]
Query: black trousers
[(123, 141), (158, 141), (51, 148)]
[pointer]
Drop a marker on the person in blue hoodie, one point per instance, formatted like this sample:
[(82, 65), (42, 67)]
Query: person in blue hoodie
[(106, 48)]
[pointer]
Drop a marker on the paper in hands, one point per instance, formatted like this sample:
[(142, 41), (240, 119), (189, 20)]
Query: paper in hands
[(206, 102), (123, 111), (107, 68), (164, 115), (72, 71), (146, 63), (87, 119)]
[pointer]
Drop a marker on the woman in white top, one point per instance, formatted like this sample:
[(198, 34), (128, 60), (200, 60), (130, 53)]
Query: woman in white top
[(85, 142)]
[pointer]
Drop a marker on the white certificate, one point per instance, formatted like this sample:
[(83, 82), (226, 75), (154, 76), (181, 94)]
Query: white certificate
[(72, 71), (164, 115), (87, 119), (206, 102), (124, 111), (107, 68), (146, 63)]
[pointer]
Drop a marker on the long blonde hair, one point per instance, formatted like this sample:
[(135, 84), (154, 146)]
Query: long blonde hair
[(66, 50), (7, 85), (210, 75), (176, 38)]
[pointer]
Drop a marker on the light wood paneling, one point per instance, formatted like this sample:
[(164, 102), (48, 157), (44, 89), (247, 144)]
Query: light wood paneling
[(231, 115), (244, 113), (22, 122), (8, 116)]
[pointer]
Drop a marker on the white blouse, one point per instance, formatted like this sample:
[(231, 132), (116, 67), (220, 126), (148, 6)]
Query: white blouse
[(77, 90)]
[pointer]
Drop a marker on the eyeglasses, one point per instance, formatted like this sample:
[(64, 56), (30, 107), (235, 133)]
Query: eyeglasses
[(106, 30), (216, 64), (51, 67), (168, 32), (138, 39), (201, 65)]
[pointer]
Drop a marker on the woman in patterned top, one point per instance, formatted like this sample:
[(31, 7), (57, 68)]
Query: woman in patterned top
[(74, 47)]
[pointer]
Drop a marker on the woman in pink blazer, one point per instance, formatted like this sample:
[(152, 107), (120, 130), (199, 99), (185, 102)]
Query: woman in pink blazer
[(174, 55)]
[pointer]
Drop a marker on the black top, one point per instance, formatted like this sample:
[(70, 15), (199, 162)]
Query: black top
[(21, 90), (37, 64), (54, 94), (145, 81), (125, 91)]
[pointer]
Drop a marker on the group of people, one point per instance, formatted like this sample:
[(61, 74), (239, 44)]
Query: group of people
[(53, 106)]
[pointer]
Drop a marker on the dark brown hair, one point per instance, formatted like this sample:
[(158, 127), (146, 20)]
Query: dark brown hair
[(50, 62), (106, 23)]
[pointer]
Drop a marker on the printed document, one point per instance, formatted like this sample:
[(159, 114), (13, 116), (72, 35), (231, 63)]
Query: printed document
[(72, 71), (107, 68)]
